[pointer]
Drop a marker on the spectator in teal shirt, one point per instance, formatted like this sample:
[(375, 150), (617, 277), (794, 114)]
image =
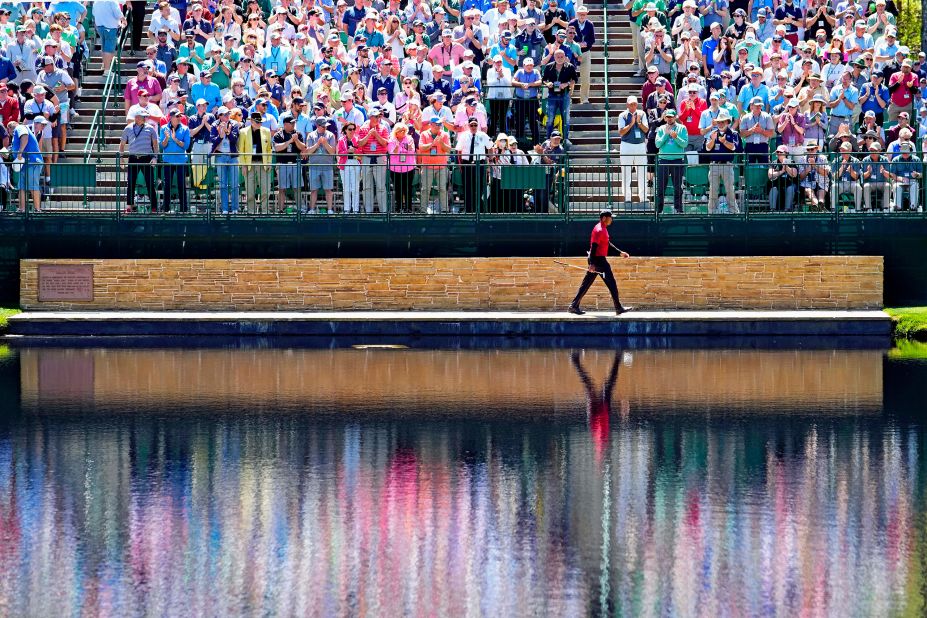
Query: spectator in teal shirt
[(671, 141)]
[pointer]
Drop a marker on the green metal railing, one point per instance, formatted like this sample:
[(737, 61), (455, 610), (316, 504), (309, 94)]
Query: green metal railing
[(96, 137), (570, 188)]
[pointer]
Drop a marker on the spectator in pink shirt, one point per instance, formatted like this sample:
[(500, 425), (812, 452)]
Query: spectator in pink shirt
[(447, 53), (349, 167), (902, 86), (401, 149), (142, 81)]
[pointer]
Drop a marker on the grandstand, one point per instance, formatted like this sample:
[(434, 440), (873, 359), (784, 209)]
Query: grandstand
[(97, 133), (527, 203)]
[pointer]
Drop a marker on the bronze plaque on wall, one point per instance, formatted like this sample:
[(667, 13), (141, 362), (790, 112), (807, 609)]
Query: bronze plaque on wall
[(65, 282)]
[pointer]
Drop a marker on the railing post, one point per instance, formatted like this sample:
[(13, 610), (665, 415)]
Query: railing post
[(481, 183), (117, 187), (564, 200), (608, 139)]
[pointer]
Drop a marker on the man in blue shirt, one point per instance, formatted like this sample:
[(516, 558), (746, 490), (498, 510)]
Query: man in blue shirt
[(721, 146), (353, 16), (709, 47), (175, 141), (526, 81), (755, 89), (843, 99), (26, 149), (790, 15), (873, 97), (207, 91), (276, 58)]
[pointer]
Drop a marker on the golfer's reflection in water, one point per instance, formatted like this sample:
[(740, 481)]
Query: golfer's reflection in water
[(599, 402)]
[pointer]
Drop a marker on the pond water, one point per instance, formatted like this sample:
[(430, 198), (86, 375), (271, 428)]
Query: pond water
[(389, 482)]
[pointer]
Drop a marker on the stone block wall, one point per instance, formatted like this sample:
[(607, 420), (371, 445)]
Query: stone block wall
[(434, 284)]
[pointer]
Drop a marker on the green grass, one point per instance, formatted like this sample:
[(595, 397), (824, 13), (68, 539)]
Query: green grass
[(910, 322), (905, 349), (5, 313)]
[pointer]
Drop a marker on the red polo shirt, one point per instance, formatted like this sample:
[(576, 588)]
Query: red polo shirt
[(600, 239), (9, 110)]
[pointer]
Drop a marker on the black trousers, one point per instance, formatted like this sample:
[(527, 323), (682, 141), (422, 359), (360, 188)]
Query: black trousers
[(498, 110), (402, 189), (602, 266), (470, 177), (141, 163), (757, 153), (526, 110), (667, 171), (178, 174), (138, 22)]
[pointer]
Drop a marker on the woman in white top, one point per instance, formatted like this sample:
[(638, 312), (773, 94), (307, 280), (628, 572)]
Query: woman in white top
[(395, 37)]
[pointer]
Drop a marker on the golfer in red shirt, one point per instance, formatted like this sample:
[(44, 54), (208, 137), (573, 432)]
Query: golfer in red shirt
[(598, 265)]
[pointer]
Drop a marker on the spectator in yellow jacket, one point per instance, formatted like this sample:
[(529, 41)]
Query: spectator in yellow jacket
[(255, 158)]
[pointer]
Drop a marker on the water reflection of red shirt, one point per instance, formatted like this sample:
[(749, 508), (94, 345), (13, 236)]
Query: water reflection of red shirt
[(598, 427)]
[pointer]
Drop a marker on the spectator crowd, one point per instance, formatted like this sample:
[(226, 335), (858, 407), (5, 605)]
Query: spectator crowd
[(381, 99), (43, 46), (421, 105), (819, 93)]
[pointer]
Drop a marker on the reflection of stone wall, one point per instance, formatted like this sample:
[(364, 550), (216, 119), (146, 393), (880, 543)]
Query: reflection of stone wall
[(830, 282), (449, 382)]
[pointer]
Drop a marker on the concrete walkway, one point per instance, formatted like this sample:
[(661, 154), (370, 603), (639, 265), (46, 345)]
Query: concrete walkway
[(490, 324)]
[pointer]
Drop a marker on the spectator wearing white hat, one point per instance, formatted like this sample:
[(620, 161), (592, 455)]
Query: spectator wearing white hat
[(721, 147), (500, 93), (858, 42), (140, 142), (633, 129), (847, 174), (372, 139), (905, 172), (224, 137), (527, 82), (903, 86), (874, 169), (349, 167), (418, 66), (881, 21), (39, 109), (434, 146), (585, 36), (756, 130)]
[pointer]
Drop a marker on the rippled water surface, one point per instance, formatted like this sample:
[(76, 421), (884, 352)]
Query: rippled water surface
[(461, 483)]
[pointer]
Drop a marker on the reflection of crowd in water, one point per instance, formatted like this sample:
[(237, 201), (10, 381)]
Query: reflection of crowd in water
[(334, 517)]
